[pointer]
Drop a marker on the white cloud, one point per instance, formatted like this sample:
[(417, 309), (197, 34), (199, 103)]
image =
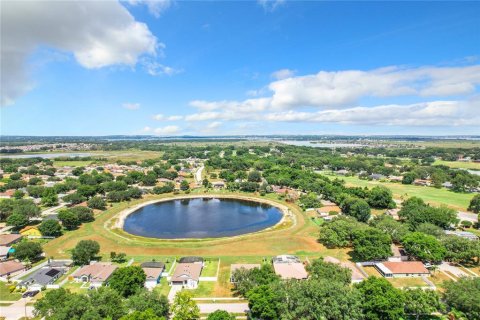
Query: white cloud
[(161, 117), (155, 7), (213, 125), (97, 33), (283, 74), (167, 130), (147, 129), (270, 5), (155, 68), (131, 106)]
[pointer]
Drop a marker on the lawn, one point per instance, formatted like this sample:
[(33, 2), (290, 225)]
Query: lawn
[(73, 163), (458, 201), (163, 287), (458, 164), (205, 289), (5, 294), (210, 268)]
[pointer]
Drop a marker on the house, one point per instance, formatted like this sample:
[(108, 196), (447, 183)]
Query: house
[(154, 271), (31, 232), (342, 172), (218, 185), (422, 182), (326, 210), (246, 266), (187, 275), (9, 239), (357, 276), (11, 268), (395, 178), (393, 213), (463, 234), (7, 194), (447, 185), (96, 273), (376, 176), (5, 252), (42, 278), (289, 267), (402, 269)]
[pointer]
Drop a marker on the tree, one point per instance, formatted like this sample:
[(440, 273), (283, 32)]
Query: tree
[(357, 208), (390, 226), (310, 200), (84, 214), (382, 301), (461, 250), (464, 295), (408, 178), (321, 269), (245, 280), (254, 176), (221, 315), (97, 203), (339, 232), (28, 250), (85, 251), (381, 197), (414, 212), (107, 303), (184, 185), (18, 194), (184, 308), (49, 197), (264, 302), (61, 304), (145, 300), (50, 228), (424, 247), (74, 198), (127, 280), (18, 221), (142, 315), (371, 244), (475, 204), (431, 229), (206, 184), (419, 302), (317, 299), (69, 219)]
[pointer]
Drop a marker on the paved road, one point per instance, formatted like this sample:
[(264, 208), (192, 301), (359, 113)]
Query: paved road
[(173, 292), (445, 266), (17, 310), (198, 175), (229, 307), (468, 216)]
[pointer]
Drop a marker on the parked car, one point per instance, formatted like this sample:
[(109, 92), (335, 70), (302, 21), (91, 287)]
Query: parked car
[(32, 293)]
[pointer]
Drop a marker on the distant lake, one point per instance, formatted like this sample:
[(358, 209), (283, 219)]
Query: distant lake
[(318, 144), (45, 155), (201, 218)]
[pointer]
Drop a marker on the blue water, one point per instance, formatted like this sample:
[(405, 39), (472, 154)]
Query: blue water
[(201, 218)]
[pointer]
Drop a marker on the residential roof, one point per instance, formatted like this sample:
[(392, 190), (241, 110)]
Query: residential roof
[(152, 273), (8, 239), (153, 264), (28, 228), (285, 259), (246, 266), (190, 259), (292, 270), (4, 250), (44, 275), (97, 272), (10, 267), (404, 267), (185, 271)]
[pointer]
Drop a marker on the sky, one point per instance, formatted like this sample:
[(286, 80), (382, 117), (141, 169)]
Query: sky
[(172, 68)]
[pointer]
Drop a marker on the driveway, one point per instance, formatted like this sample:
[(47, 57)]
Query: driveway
[(17, 310), (173, 292), (229, 307), (445, 266), (467, 216)]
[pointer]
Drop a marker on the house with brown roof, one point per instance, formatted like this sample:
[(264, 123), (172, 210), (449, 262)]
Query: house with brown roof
[(96, 273), (402, 269), (154, 271), (11, 268), (289, 267), (187, 275), (8, 239)]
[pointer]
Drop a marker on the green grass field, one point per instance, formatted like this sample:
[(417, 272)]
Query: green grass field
[(458, 201), (78, 163), (458, 164), (5, 294)]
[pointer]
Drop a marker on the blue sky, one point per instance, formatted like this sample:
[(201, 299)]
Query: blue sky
[(265, 67)]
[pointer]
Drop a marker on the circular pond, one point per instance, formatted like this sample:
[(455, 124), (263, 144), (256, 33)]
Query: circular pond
[(201, 218)]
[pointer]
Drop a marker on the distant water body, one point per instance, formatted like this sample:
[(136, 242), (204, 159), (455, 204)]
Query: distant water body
[(315, 144), (45, 155)]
